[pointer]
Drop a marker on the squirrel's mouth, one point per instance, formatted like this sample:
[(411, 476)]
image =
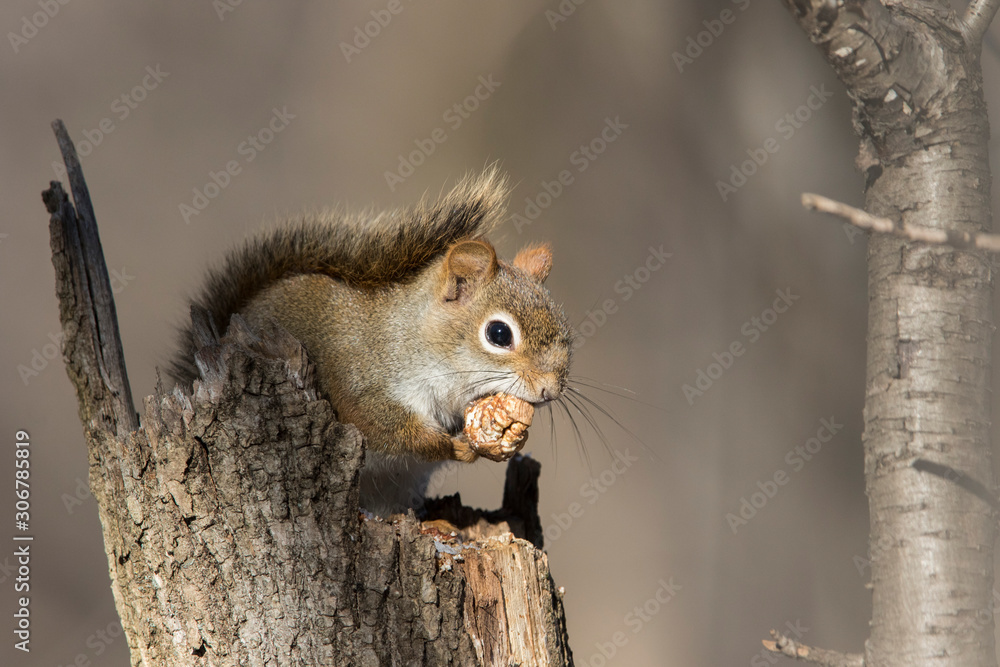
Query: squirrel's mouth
[(545, 398)]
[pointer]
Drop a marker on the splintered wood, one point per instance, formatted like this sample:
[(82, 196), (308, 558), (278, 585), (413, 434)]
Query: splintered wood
[(497, 426)]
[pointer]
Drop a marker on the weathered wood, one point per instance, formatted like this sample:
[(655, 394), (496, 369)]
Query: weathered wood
[(231, 518), (82, 249)]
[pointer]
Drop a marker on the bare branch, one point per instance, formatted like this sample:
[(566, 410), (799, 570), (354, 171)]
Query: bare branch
[(864, 220), (790, 648), (978, 17)]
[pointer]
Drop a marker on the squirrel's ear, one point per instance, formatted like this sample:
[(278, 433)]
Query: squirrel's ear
[(467, 264), (536, 261)]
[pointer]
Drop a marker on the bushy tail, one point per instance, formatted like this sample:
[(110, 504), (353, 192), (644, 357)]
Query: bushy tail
[(360, 250)]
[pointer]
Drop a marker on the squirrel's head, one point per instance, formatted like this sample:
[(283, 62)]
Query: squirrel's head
[(507, 334)]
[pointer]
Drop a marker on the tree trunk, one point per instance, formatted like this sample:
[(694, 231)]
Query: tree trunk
[(231, 519), (912, 71)]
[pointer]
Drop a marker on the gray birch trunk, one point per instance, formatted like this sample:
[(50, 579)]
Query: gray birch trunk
[(912, 71), (231, 519)]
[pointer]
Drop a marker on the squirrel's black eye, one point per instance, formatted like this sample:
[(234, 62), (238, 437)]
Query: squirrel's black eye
[(498, 333)]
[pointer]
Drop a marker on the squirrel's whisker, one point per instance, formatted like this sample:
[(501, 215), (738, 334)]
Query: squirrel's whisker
[(604, 410), (578, 380), (589, 418), (597, 384), (581, 449)]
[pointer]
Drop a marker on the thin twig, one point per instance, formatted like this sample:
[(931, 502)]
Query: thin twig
[(790, 648), (864, 220), (978, 17)]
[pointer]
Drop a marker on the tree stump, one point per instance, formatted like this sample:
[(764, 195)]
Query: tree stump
[(231, 518)]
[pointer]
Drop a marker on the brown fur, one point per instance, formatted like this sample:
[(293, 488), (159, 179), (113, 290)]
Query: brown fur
[(394, 311), (358, 250)]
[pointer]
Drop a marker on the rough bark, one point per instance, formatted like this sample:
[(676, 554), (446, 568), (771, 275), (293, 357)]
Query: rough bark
[(912, 71), (231, 519)]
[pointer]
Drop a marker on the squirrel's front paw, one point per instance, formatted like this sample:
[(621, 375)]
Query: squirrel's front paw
[(497, 426)]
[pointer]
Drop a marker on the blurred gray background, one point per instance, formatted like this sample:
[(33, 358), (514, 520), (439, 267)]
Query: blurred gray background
[(167, 95)]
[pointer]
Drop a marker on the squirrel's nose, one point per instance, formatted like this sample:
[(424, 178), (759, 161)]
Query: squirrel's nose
[(548, 387), (550, 393)]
